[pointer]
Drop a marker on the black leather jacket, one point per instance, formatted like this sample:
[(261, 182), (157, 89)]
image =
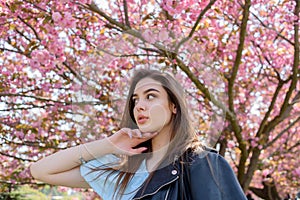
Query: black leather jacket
[(206, 176)]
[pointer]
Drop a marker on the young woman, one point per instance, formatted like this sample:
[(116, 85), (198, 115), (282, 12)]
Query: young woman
[(155, 154)]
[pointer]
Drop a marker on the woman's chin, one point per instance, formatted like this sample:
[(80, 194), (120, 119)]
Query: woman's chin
[(147, 130)]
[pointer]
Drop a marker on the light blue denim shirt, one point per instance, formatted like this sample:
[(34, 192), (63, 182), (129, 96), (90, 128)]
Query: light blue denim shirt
[(105, 188)]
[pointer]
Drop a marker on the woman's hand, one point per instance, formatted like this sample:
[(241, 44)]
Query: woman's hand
[(126, 139)]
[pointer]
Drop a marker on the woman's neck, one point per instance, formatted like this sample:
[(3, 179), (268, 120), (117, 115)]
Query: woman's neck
[(160, 145), (160, 141)]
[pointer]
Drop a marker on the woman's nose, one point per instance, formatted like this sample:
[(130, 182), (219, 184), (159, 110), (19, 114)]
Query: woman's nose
[(140, 105)]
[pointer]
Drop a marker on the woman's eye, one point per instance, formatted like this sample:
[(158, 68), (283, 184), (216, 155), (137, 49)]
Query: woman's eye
[(134, 101), (150, 96)]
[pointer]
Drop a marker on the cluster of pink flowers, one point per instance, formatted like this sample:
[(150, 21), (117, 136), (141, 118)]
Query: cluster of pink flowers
[(64, 20)]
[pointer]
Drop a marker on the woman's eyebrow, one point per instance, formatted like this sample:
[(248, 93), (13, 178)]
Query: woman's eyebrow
[(146, 91)]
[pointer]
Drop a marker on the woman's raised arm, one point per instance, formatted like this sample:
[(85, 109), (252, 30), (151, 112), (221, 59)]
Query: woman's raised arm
[(62, 168)]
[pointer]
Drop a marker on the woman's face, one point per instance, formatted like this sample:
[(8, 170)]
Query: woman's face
[(152, 109)]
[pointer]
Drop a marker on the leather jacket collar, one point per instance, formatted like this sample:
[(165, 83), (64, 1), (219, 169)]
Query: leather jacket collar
[(165, 176), (160, 178)]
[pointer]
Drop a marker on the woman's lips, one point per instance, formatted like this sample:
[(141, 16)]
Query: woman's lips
[(142, 120)]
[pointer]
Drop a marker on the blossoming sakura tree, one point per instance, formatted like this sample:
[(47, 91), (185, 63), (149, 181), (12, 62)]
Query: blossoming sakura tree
[(65, 65)]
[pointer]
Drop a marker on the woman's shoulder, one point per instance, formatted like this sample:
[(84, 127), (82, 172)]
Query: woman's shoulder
[(210, 149), (206, 156), (202, 151), (209, 161), (209, 169)]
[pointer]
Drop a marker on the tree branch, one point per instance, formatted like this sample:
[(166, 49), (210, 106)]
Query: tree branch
[(11, 50), (271, 106), (29, 96), (72, 71), (203, 88), (15, 157), (285, 108), (94, 8), (22, 34), (52, 100), (20, 183), (34, 5), (126, 13), (134, 55), (281, 133), (30, 144), (277, 32), (200, 16), (235, 126), (289, 150), (27, 24), (269, 62), (243, 31)]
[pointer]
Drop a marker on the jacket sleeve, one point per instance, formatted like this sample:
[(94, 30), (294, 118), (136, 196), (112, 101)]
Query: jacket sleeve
[(212, 178)]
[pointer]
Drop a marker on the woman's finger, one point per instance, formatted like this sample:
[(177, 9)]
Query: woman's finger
[(138, 150), (137, 133), (149, 135), (129, 133), (126, 131)]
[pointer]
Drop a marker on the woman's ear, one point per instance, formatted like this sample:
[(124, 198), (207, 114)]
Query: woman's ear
[(173, 108)]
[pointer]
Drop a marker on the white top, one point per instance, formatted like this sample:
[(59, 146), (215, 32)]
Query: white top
[(105, 188)]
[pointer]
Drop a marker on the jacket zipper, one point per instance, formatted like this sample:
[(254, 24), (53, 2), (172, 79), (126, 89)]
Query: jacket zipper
[(157, 189), (167, 193)]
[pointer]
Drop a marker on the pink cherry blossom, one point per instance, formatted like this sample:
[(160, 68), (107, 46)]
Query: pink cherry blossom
[(55, 54), (230, 144), (56, 16)]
